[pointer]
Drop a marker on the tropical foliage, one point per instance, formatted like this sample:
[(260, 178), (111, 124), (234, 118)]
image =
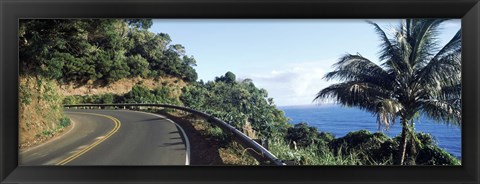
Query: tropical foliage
[(415, 77), (237, 102), (82, 50)]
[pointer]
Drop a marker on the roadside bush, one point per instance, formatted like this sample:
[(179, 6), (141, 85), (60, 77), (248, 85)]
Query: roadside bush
[(194, 96), (108, 98), (141, 94), (223, 139), (72, 100), (302, 134), (64, 122)]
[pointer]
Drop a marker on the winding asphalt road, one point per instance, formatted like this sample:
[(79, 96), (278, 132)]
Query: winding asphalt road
[(113, 137)]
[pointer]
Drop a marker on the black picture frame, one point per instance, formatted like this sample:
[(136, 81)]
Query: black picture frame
[(13, 10)]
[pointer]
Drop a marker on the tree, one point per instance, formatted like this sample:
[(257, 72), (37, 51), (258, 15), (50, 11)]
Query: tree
[(140, 23), (237, 103), (414, 77), (229, 78), (106, 50), (302, 134), (138, 66)]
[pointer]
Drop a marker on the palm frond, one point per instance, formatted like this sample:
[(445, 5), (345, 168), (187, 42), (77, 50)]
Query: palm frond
[(424, 40), (440, 73), (453, 46), (444, 65), (357, 68), (442, 111), (389, 52), (451, 92), (403, 66), (354, 93), (387, 111)]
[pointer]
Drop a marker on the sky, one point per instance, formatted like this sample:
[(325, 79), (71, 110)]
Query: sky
[(286, 57)]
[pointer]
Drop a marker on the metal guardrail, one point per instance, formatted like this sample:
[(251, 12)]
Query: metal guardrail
[(256, 150)]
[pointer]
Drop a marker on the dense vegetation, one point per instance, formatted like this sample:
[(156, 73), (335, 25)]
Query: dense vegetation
[(106, 50), (239, 102), (356, 148)]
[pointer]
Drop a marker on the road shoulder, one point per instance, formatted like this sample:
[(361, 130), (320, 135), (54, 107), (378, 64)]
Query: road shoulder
[(61, 133)]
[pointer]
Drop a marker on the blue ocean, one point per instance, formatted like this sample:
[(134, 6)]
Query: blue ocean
[(341, 120)]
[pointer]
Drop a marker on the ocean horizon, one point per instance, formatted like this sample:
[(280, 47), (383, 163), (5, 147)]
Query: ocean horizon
[(340, 120)]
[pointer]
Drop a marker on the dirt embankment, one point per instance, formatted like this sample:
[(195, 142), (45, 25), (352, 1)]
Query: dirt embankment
[(40, 110), (122, 86)]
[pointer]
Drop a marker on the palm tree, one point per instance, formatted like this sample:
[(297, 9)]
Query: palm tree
[(415, 77)]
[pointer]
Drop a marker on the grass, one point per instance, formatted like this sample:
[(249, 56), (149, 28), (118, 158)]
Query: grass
[(311, 155), (63, 123), (48, 132)]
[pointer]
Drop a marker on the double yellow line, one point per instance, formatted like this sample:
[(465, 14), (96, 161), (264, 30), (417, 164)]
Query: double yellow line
[(84, 150)]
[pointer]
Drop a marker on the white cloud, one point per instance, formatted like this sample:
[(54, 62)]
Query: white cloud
[(293, 83)]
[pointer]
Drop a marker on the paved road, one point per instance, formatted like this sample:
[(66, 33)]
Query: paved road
[(113, 137)]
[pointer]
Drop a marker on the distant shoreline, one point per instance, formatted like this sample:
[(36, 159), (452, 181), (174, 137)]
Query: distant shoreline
[(307, 106)]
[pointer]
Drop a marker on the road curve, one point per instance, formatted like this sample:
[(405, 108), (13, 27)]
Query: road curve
[(113, 137)]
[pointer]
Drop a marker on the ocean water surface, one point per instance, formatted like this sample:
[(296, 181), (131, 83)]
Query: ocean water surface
[(341, 120)]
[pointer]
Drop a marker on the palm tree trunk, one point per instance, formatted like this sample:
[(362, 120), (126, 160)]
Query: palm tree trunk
[(413, 145), (413, 152), (403, 142)]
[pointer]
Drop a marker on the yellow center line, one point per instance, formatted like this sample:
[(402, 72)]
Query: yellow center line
[(84, 150)]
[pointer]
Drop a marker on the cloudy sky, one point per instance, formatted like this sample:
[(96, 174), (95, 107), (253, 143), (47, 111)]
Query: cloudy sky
[(286, 57)]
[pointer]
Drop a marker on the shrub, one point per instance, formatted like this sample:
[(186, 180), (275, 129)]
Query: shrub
[(108, 98), (433, 155), (64, 122), (377, 148), (71, 100), (428, 153), (219, 136), (323, 139), (363, 142), (302, 134)]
